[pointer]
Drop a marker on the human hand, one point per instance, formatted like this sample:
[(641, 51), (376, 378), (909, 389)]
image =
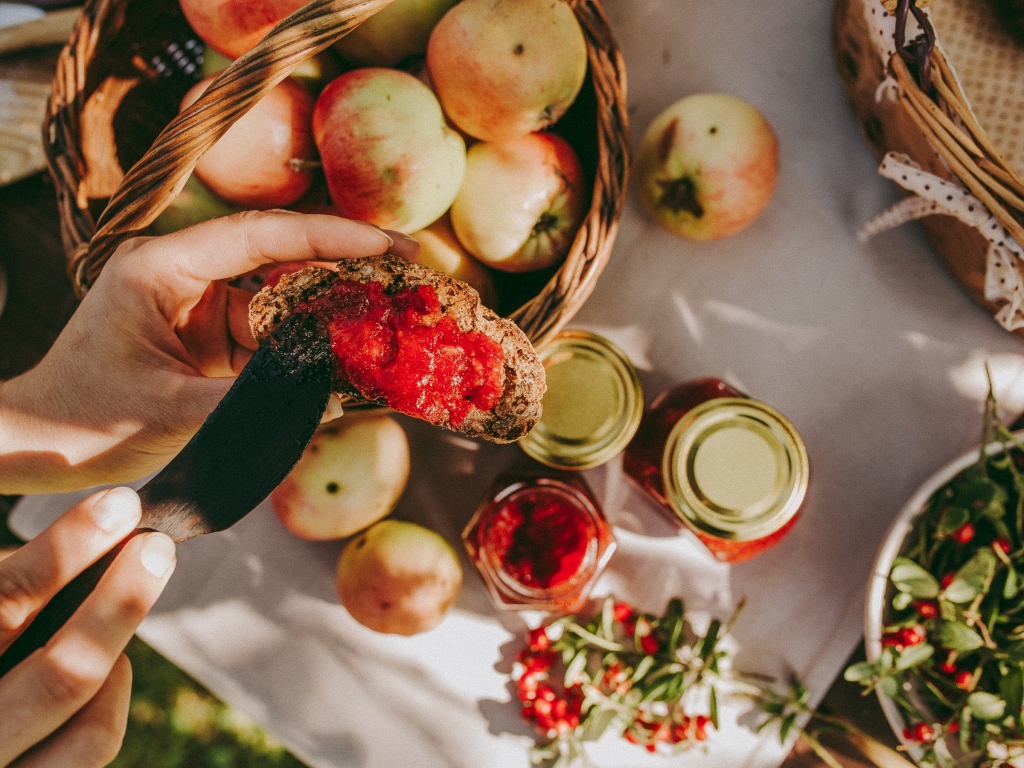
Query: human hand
[(66, 704), (154, 346)]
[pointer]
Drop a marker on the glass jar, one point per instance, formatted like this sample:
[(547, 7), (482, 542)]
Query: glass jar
[(730, 468), (540, 541), (592, 406)]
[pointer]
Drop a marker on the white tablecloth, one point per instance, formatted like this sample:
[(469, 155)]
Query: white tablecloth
[(872, 350)]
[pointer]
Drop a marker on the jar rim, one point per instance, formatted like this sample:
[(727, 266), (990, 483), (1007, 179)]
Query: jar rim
[(758, 492)]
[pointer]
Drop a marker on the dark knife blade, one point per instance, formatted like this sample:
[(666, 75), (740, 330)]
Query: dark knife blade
[(242, 452)]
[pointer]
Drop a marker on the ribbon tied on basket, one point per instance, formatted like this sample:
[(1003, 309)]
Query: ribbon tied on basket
[(1004, 267)]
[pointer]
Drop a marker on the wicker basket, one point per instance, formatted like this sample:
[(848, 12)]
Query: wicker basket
[(945, 112), (129, 62)]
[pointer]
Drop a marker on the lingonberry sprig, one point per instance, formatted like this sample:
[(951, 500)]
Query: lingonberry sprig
[(649, 677)]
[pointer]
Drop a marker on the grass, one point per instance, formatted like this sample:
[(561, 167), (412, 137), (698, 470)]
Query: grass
[(174, 722)]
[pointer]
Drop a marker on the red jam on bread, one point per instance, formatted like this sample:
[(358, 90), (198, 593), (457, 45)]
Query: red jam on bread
[(403, 349)]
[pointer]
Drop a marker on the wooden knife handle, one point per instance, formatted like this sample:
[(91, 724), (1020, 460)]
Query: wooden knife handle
[(55, 613)]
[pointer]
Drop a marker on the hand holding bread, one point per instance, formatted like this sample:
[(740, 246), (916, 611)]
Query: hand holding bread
[(153, 347)]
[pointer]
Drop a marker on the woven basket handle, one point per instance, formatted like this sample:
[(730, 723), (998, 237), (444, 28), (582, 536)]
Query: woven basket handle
[(157, 177)]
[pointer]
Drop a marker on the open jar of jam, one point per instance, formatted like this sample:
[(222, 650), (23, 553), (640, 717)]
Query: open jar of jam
[(732, 469), (539, 541)]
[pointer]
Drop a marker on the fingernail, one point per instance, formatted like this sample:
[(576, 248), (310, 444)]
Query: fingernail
[(157, 554), (394, 233), (117, 509), (383, 232)]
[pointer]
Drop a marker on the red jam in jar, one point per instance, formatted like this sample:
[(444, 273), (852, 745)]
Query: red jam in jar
[(539, 541), (401, 347), (730, 468)]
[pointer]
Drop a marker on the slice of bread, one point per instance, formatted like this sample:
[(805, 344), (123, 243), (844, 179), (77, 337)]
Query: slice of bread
[(519, 406)]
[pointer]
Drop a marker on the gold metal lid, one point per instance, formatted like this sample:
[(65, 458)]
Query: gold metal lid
[(735, 468), (593, 404)]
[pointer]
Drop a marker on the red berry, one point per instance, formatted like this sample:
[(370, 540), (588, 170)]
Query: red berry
[(648, 644), (651, 747), (948, 579), (893, 639), (538, 639), (926, 609), (948, 667), (1001, 544), (963, 680), (964, 533), (953, 727), (919, 732), (912, 635), (623, 612)]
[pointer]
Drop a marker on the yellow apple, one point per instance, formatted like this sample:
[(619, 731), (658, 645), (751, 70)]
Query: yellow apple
[(520, 203), (505, 68), (707, 166), (441, 250), (394, 33), (398, 577), (351, 474)]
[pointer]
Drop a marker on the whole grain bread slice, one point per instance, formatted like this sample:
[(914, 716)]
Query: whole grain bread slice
[(518, 408)]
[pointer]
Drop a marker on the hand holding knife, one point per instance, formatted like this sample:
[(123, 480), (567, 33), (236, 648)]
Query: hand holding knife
[(240, 454)]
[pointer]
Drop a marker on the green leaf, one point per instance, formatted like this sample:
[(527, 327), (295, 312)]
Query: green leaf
[(952, 519), (957, 636), (862, 670), (902, 600), (1011, 688), (972, 577), (707, 646), (1011, 585), (914, 655), (889, 687), (713, 713), (1015, 651), (772, 707), (787, 725), (573, 669), (597, 722), (908, 576), (643, 667), (986, 706), (607, 618)]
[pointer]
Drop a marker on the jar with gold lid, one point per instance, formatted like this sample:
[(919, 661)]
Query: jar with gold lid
[(592, 406), (730, 468), (540, 540)]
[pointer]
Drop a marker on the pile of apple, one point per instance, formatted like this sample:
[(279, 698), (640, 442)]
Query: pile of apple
[(392, 576), (384, 120)]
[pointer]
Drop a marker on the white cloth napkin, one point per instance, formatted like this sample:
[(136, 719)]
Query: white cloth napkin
[(872, 350)]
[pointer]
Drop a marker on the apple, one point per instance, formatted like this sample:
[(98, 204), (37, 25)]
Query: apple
[(440, 249), (350, 475), (232, 27), (394, 33), (707, 166), (520, 203), (505, 68), (259, 161), (315, 72), (398, 577), (388, 154), (193, 204)]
